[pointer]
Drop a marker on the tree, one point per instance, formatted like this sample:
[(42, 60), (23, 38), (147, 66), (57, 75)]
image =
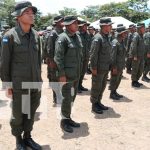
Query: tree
[(6, 8), (68, 11)]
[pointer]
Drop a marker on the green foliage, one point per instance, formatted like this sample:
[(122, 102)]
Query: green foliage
[(68, 11)]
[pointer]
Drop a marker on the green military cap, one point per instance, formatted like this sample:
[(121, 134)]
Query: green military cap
[(20, 7), (6, 27), (139, 25), (121, 29), (105, 21), (68, 20), (119, 25), (131, 26), (82, 23), (58, 18), (91, 27)]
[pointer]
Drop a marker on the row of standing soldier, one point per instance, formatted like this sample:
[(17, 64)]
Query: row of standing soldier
[(67, 54), (105, 51)]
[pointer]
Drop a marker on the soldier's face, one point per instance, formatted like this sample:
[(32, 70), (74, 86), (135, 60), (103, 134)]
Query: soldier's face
[(27, 17), (124, 35), (142, 30), (73, 27), (106, 29), (60, 24)]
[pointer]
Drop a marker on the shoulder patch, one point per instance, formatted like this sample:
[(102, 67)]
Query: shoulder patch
[(96, 40), (5, 40)]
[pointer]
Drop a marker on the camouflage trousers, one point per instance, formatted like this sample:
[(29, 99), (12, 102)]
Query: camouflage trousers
[(146, 66), (98, 86), (137, 69), (69, 92), (84, 69), (115, 80), (23, 110)]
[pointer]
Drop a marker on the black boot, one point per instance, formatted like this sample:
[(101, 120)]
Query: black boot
[(145, 78), (96, 108), (120, 96), (135, 84), (128, 71), (79, 90), (65, 125), (74, 124), (83, 88), (30, 143), (20, 145), (114, 96), (54, 98), (139, 83), (103, 107)]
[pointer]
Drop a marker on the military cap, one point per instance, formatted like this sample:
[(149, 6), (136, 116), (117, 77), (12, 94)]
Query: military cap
[(81, 23), (139, 25), (58, 18), (6, 27), (131, 26), (20, 7), (91, 27), (68, 20), (105, 21), (121, 29), (119, 25)]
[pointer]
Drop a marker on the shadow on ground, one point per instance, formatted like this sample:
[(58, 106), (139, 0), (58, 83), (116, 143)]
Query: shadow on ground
[(124, 99), (3, 103), (108, 114), (83, 131), (37, 116)]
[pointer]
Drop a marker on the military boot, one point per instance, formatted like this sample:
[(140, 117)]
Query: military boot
[(30, 142), (145, 78), (73, 123), (83, 88), (20, 145), (114, 96), (135, 84), (96, 108), (65, 125), (120, 96), (103, 107)]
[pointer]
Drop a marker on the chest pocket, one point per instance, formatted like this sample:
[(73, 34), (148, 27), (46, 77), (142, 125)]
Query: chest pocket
[(105, 47), (20, 47)]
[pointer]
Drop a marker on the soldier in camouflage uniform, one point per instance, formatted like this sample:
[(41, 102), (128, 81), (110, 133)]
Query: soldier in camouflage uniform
[(86, 41), (68, 57), (137, 53), (132, 29), (147, 56), (118, 61), (49, 50), (100, 64), (21, 62)]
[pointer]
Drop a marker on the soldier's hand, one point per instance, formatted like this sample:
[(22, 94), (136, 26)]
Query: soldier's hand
[(63, 79), (148, 55), (47, 60), (114, 71), (9, 93), (135, 58), (94, 72)]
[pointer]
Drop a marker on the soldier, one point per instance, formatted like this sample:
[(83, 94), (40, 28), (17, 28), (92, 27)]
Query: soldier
[(100, 64), (132, 29), (21, 63), (68, 57), (118, 61), (137, 54), (86, 41), (50, 51), (147, 56), (91, 31)]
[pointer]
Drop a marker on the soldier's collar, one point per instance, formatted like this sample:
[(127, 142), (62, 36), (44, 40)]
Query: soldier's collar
[(69, 34), (22, 33)]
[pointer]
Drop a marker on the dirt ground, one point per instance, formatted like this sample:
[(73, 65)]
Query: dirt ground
[(125, 126)]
